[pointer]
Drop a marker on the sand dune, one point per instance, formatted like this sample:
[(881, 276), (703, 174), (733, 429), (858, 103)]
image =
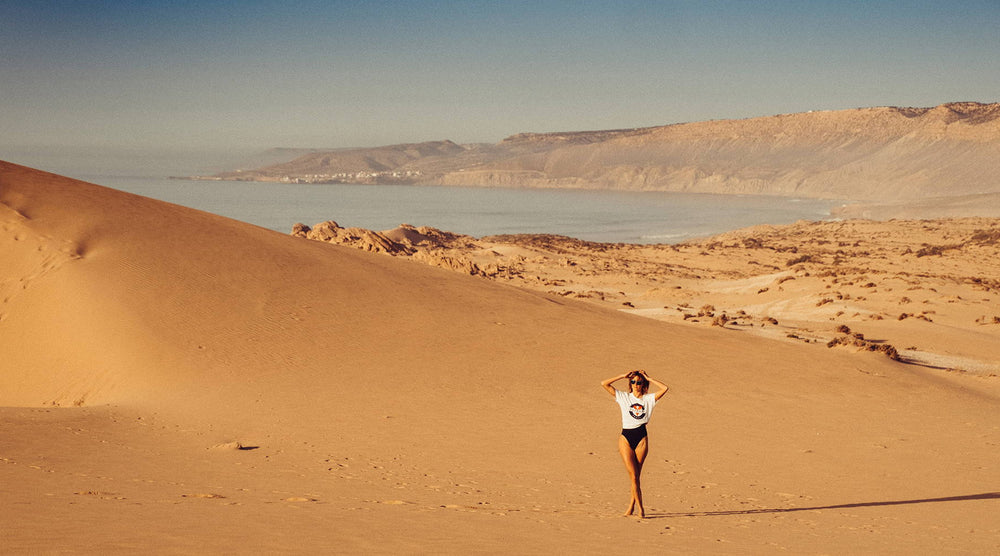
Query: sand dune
[(174, 381)]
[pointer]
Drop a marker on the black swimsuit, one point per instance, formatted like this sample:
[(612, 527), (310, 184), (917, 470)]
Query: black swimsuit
[(635, 436)]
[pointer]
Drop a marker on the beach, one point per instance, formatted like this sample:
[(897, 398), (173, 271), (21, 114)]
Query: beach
[(180, 382)]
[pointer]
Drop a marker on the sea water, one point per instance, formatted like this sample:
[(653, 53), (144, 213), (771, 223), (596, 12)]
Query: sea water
[(604, 216)]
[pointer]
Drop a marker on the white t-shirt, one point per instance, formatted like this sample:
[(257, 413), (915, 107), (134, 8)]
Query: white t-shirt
[(635, 411)]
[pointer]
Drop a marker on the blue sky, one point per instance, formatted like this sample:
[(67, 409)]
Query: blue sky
[(255, 74)]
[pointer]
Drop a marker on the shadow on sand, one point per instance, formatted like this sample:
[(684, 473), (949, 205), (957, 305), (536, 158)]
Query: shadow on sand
[(968, 497)]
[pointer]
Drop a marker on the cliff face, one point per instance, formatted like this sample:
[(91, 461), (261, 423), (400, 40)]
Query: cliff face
[(883, 154), (874, 153)]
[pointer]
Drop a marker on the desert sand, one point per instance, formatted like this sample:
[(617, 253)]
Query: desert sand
[(177, 382), (923, 291)]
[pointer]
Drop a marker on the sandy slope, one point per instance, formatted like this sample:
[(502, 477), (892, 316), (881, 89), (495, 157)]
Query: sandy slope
[(927, 291), (383, 406)]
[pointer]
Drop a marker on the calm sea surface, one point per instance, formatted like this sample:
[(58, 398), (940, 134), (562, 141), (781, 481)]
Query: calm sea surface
[(605, 216)]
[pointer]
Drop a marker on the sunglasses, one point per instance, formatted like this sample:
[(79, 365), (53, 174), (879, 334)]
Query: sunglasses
[(637, 382)]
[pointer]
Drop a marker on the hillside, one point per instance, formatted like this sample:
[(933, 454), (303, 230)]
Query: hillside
[(383, 164), (867, 154), (877, 153)]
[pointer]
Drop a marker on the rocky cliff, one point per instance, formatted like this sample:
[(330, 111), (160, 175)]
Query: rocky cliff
[(884, 154), (873, 153)]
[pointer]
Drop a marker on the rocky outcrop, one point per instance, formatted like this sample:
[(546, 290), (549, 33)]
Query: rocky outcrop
[(428, 245), (360, 238)]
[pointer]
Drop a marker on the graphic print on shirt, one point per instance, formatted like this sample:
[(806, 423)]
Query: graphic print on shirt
[(637, 411)]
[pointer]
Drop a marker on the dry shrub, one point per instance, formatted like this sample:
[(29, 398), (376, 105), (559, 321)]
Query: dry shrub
[(986, 237), (859, 341), (928, 250), (888, 350), (799, 260), (985, 284)]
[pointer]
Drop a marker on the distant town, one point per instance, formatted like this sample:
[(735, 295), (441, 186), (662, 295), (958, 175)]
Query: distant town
[(340, 177)]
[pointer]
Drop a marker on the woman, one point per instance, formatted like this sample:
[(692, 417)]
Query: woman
[(633, 444)]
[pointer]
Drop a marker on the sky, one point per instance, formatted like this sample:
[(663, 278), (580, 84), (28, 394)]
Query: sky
[(299, 73)]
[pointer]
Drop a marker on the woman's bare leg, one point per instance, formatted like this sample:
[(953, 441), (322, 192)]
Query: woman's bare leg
[(633, 464), (641, 450)]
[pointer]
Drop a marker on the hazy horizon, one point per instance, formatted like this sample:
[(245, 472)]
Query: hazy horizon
[(185, 77)]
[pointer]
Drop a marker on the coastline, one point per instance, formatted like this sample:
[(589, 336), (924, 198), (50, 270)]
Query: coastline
[(593, 215), (895, 154)]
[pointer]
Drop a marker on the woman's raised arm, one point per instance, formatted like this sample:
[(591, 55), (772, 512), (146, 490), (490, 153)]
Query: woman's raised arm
[(663, 387), (607, 383)]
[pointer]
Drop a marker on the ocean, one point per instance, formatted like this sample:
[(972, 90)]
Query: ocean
[(602, 216)]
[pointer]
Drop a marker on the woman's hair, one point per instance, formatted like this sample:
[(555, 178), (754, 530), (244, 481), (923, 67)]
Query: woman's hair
[(636, 375)]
